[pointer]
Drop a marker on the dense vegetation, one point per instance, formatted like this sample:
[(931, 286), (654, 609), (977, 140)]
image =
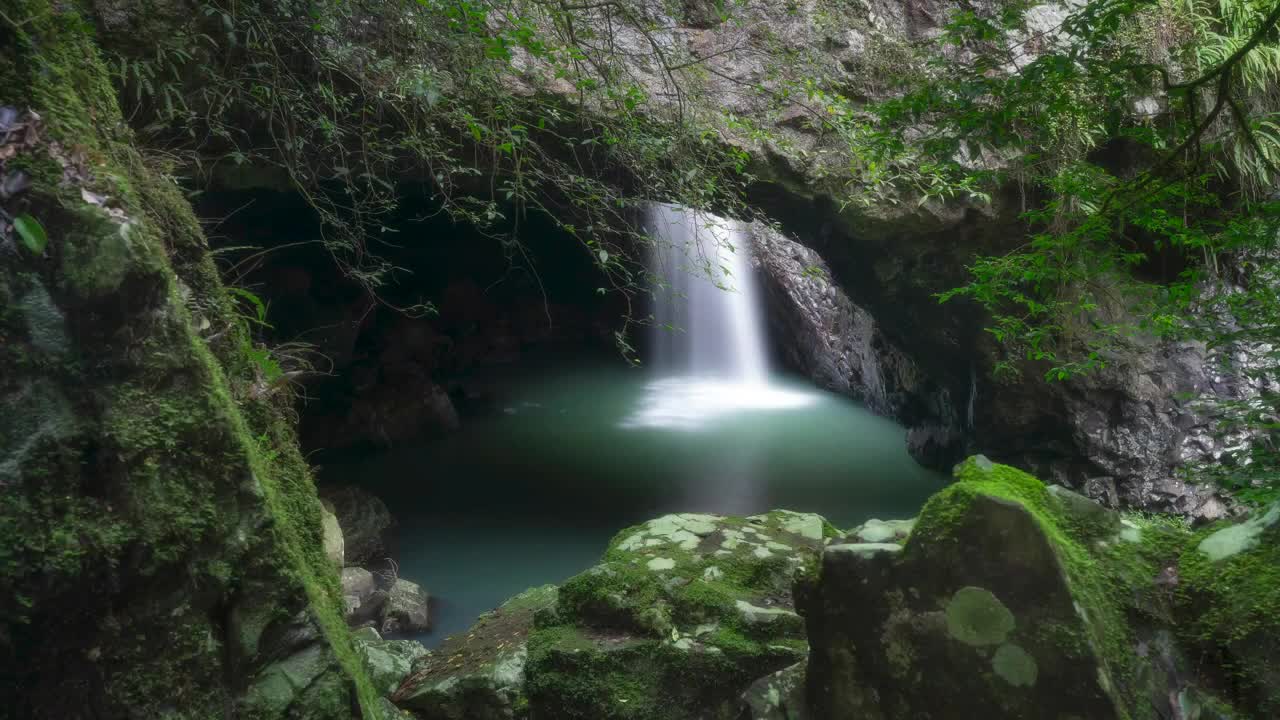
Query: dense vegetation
[(1144, 137)]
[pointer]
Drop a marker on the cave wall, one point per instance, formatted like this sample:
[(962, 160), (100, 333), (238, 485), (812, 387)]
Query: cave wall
[(160, 550), (1120, 434), (400, 363)]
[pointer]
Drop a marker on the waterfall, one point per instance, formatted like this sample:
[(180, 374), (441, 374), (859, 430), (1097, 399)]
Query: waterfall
[(708, 319), (708, 341)]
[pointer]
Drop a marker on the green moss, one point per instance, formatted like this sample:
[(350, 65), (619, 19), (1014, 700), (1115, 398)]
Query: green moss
[(185, 505), (681, 638), (1101, 593), (575, 674), (1231, 607)]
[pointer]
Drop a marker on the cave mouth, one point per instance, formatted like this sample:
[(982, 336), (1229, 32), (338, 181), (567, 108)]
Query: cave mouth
[(506, 433)]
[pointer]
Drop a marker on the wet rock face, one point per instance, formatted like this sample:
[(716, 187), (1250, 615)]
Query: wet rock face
[(823, 334), (1119, 435), (841, 346), (1123, 434)]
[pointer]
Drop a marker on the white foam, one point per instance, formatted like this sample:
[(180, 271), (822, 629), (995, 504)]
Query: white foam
[(695, 402)]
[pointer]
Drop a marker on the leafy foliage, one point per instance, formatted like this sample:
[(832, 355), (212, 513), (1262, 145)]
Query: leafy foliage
[(31, 232), (1143, 135), (494, 109)]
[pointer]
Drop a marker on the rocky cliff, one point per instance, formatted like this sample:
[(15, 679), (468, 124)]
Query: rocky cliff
[(160, 551)]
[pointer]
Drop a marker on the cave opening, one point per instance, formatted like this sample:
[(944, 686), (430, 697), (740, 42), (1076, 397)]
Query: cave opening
[(504, 432)]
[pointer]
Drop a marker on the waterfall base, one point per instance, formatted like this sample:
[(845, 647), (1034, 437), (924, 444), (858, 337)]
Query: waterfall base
[(697, 402)]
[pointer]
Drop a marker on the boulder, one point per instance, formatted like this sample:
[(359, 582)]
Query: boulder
[(975, 616), (685, 612), (387, 662), (780, 696), (362, 598), (882, 531), (479, 675), (1010, 599), (683, 615), (407, 609), (365, 522), (333, 543)]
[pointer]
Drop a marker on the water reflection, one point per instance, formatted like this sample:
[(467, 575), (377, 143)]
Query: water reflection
[(696, 403)]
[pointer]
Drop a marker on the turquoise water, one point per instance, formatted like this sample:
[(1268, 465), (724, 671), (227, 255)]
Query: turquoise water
[(531, 491)]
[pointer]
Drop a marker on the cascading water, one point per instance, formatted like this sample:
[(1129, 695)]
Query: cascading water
[(708, 339), (708, 321)]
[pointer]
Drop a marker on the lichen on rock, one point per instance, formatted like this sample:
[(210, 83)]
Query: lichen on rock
[(977, 617)]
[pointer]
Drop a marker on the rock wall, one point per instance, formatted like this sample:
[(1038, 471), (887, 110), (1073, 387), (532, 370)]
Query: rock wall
[(1120, 434), (842, 348), (160, 535)]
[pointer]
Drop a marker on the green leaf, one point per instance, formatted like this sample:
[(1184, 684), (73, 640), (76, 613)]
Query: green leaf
[(31, 232), (259, 307)]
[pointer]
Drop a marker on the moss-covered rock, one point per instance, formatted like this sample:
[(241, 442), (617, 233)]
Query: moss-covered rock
[(160, 536), (388, 662), (780, 696), (683, 615), (1229, 605), (479, 675), (1013, 600)]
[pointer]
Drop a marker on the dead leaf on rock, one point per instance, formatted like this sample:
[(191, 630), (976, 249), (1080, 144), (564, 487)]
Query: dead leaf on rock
[(101, 201)]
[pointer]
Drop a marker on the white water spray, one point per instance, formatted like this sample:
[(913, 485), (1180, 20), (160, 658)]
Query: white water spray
[(708, 321), (708, 343)]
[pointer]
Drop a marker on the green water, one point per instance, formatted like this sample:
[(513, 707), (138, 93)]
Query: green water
[(531, 492)]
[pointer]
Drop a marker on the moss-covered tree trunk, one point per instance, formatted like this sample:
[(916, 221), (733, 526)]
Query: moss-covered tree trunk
[(160, 550)]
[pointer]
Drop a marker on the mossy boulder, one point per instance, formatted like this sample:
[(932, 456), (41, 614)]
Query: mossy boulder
[(684, 614), (1010, 599), (388, 662), (479, 675), (983, 623), (681, 617)]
